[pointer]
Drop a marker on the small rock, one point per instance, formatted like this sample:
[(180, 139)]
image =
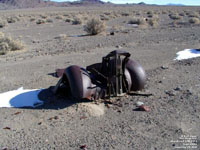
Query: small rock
[(7, 128), (17, 113), (108, 105), (99, 45), (144, 108), (170, 93), (83, 146), (177, 88), (83, 117), (113, 137), (189, 91), (56, 117), (164, 67), (118, 46), (112, 33), (138, 103)]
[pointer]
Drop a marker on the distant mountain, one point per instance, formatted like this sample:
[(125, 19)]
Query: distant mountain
[(11, 4), (6, 4), (27, 3), (171, 4), (141, 3), (87, 2)]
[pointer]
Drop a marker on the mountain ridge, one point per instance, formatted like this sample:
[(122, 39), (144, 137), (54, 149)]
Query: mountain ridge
[(45, 3)]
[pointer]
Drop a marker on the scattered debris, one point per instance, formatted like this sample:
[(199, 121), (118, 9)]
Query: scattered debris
[(164, 67), (112, 33), (118, 46), (83, 146), (138, 104), (53, 118), (7, 128), (17, 113), (59, 72), (141, 94), (144, 108), (83, 117), (177, 88), (170, 93), (108, 105)]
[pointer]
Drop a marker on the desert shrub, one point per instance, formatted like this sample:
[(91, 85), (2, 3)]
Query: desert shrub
[(61, 37), (125, 14), (12, 19), (107, 13), (182, 14), (43, 16), (103, 17), (153, 22), (94, 26), (15, 45), (59, 17), (4, 48), (164, 12), (115, 14), (138, 21), (1, 35), (175, 16), (2, 23), (32, 19), (8, 44), (194, 20), (66, 15), (40, 21), (150, 14), (138, 13), (68, 20), (49, 20), (116, 28), (76, 20), (193, 14)]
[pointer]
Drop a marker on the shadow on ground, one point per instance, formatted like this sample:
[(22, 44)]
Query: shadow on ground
[(56, 101)]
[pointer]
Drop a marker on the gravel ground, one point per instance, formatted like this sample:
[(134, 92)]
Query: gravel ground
[(63, 123)]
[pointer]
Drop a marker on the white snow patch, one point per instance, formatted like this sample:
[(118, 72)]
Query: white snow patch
[(187, 54), (20, 98)]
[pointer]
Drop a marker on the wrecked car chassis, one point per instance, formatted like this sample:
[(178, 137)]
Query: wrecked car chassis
[(116, 75)]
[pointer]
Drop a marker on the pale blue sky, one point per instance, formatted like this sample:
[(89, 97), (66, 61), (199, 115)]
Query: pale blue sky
[(185, 2)]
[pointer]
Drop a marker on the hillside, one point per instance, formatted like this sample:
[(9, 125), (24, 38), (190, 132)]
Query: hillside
[(10, 4)]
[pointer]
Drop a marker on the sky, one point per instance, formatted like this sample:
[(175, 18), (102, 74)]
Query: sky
[(160, 2)]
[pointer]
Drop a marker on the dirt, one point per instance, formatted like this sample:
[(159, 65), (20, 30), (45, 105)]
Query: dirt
[(63, 123)]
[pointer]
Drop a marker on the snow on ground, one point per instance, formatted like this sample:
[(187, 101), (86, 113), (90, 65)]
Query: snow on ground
[(20, 98), (187, 54)]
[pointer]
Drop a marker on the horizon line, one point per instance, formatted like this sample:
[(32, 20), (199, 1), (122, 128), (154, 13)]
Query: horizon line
[(169, 4)]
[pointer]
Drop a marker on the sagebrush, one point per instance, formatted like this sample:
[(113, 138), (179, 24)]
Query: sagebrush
[(8, 44), (94, 26)]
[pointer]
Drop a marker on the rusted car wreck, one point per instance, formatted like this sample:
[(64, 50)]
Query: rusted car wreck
[(116, 75)]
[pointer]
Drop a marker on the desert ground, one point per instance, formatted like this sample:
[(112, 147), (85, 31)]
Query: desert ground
[(52, 40)]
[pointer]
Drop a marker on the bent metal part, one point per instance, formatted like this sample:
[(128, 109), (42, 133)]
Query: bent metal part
[(116, 75)]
